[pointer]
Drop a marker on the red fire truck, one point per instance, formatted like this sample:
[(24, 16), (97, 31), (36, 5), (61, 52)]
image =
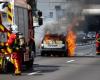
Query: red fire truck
[(13, 14)]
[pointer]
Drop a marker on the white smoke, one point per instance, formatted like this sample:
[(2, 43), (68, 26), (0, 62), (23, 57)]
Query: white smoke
[(71, 10)]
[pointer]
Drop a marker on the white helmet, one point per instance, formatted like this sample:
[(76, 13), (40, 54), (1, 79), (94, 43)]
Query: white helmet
[(14, 28)]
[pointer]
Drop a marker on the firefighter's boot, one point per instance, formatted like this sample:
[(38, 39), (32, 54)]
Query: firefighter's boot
[(17, 67)]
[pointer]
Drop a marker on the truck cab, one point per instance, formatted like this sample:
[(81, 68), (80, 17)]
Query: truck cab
[(11, 16)]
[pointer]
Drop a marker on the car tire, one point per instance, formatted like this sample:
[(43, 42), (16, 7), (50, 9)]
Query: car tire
[(42, 53), (48, 54), (9, 67)]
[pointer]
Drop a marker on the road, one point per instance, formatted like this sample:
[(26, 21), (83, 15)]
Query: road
[(61, 68), (86, 50)]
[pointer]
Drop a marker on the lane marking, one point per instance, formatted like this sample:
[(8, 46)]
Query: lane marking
[(70, 61), (33, 73)]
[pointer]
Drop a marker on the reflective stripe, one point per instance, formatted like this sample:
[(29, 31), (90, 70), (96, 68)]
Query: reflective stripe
[(97, 41), (10, 14), (9, 50), (2, 44), (8, 34), (1, 28)]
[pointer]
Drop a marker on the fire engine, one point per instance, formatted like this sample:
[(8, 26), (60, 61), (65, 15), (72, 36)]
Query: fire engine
[(17, 16)]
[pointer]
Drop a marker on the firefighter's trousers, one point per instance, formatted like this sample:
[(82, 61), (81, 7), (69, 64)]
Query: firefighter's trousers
[(15, 59)]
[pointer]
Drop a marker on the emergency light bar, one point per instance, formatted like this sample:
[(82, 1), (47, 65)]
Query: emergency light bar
[(91, 11)]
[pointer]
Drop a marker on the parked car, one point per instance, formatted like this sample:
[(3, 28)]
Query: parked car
[(91, 35)]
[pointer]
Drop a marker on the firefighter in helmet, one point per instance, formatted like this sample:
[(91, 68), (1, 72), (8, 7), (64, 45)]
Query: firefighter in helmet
[(98, 43), (13, 43)]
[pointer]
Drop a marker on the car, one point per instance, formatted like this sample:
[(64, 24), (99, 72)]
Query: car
[(53, 44), (81, 38), (91, 35)]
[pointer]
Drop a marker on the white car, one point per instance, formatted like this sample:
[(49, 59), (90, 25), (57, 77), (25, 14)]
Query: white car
[(54, 45)]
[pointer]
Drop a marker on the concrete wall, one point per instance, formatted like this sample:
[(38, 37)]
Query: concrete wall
[(48, 8)]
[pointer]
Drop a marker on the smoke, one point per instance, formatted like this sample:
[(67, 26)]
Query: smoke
[(71, 10), (57, 27)]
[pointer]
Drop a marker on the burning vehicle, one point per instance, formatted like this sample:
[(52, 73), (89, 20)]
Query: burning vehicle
[(53, 44)]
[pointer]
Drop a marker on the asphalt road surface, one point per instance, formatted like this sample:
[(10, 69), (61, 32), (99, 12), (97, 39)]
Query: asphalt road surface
[(86, 50), (61, 68)]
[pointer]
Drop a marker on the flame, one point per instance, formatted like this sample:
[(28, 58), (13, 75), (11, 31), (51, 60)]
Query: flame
[(47, 37), (71, 40), (53, 38)]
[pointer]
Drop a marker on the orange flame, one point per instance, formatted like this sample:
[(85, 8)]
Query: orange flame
[(46, 37), (71, 39), (53, 38)]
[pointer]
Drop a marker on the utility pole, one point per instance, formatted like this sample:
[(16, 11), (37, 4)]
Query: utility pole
[(32, 3)]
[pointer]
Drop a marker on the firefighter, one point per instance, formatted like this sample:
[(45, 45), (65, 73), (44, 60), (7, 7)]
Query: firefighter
[(98, 43), (13, 43)]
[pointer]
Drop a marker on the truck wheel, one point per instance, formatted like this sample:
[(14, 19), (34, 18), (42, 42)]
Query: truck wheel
[(4, 66), (9, 67)]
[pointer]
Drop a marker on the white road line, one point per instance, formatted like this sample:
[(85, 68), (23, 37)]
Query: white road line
[(33, 73), (70, 61)]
